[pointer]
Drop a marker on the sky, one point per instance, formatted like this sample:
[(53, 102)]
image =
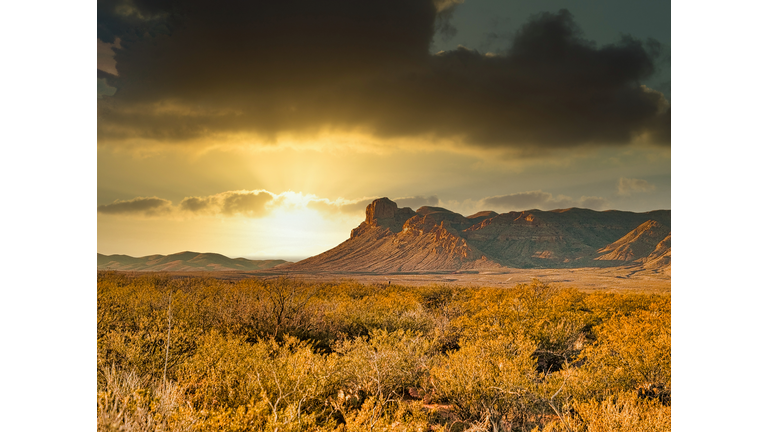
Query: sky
[(263, 129)]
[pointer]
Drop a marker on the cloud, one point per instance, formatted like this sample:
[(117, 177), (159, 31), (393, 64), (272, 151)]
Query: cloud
[(443, 5), (594, 203), (138, 206), (103, 89), (540, 200), (197, 204), (357, 207), (230, 203), (105, 56), (260, 203), (627, 186), (245, 203), (191, 71), (417, 201), (351, 207)]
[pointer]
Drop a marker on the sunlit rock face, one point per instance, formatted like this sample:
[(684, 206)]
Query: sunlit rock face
[(393, 239), (383, 213), (382, 208)]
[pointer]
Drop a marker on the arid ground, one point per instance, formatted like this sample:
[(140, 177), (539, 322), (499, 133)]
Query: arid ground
[(616, 279)]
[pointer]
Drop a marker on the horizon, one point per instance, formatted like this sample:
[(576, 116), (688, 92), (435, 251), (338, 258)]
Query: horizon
[(293, 259), (296, 258)]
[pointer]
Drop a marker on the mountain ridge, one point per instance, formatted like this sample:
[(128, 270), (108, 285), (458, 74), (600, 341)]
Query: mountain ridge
[(393, 239)]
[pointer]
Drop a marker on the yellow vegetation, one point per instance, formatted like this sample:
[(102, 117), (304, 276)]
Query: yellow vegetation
[(284, 355)]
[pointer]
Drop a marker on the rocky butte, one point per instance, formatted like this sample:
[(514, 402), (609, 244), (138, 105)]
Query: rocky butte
[(393, 239)]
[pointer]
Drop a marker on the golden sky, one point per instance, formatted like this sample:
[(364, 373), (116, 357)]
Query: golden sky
[(262, 130)]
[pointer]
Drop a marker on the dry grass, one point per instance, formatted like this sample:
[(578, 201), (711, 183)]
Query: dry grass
[(615, 279)]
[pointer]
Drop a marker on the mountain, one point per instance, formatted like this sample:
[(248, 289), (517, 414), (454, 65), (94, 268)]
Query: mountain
[(638, 243), (182, 261), (660, 259), (402, 240), (393, 239)]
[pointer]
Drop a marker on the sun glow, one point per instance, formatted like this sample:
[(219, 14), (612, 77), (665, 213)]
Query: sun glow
[(295, 230)]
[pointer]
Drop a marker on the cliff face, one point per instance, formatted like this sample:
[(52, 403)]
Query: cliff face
[(393, 239), (383, 213)]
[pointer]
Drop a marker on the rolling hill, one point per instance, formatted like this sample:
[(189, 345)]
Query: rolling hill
[(183, 261)]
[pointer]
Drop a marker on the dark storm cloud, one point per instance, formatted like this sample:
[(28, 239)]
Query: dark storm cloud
[(540, 200), (104, 75), (193, 69), (417, 201), (136, 206)]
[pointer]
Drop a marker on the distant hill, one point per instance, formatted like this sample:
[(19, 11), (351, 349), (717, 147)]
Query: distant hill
[(637, 244), (182, 261), (660, 260), (393, 239)]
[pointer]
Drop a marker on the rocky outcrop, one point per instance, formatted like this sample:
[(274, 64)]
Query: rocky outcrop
[(441, 215), (383, 213), (380, 209), (393, 239)]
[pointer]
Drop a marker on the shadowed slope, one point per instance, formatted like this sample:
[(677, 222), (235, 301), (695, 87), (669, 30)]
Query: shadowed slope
[(638, 243), (660, 260)]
